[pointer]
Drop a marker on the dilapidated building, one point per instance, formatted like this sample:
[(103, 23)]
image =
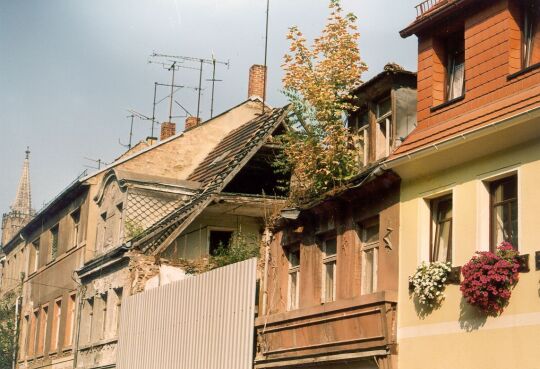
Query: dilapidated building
[(329, 292)]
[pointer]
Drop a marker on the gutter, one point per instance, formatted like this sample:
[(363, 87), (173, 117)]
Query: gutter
[(456, 140), (417, 25)]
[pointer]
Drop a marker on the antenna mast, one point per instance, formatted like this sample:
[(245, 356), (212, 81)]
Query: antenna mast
[(265, 55)]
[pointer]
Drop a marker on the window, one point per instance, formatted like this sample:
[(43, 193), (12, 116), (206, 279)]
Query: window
[(33, 260), (43, 318), (54, 242), (117, 306), (455, 66), (384, 127), (23, 343), (369, 236), (32, 333), (102, 231), (441, 229), (75, 230), (55, 327), (360, 125), (504, 212), (329, 249), (88, 320), (120, 234), (70, 319), (531, 33), (218, 239), (103, 316), (293, 256)]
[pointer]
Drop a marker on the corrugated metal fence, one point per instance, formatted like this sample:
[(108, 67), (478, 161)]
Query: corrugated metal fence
[(204, 322)]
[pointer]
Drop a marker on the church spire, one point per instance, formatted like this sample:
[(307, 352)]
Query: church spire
[(21, 211), (23, 199)]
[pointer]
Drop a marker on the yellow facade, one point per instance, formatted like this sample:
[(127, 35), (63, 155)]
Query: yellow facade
[(456, 335)]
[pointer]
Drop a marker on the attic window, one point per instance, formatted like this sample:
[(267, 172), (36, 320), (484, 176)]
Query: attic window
[(218, 239), (455, 66), (359, 124), (531, 33), (384, 127)]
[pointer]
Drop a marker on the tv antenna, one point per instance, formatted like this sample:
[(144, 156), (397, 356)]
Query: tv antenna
[(201, 62), (128, 146), (98, 163)]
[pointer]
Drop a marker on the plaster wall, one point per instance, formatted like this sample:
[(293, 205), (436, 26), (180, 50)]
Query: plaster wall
[(476, 341)]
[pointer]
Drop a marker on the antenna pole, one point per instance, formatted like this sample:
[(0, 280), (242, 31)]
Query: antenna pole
[(131, 132), (154, 110), (172, 91), (200, 86), (265, 54), (213, 84)]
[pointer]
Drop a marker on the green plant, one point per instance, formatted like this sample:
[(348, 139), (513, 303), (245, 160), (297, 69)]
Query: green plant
[(8, 334), (133, 228), (241, 247)]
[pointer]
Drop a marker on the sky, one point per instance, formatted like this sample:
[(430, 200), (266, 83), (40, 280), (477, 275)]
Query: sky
[(71, 70)]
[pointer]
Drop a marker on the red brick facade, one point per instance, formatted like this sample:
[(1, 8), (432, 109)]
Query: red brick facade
[(257, 81)]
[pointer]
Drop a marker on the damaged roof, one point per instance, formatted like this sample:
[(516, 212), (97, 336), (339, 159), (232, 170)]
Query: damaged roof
[(215, 172)]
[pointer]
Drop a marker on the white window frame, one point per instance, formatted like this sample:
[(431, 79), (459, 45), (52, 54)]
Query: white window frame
[(293, 305), (328, 259)]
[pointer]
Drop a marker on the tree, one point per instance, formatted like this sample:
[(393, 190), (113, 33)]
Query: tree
[(7, 329), (320, 151)]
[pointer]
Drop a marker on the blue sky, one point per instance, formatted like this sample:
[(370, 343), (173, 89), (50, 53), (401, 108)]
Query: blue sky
[(70, 69)]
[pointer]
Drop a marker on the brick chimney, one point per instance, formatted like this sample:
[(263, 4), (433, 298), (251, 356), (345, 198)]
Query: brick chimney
[(168, 129), (257, 81), (192, 122)]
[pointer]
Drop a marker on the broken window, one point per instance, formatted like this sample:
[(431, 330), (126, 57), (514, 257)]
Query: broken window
[(293, 256), (384, 127), (455, 66), (359, 124), (329, 249), (369, 236), (441, 238), (531, 33), (218, 239)]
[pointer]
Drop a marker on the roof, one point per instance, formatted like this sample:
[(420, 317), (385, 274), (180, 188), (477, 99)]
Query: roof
[(430, 12), (390, 69), (129, 176), (216, 171), (440, 131)]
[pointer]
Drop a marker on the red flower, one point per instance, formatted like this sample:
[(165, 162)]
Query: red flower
[(488, 278)]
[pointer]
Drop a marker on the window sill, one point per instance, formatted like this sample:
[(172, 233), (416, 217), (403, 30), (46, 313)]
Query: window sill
[(523, 71), (447, 103)]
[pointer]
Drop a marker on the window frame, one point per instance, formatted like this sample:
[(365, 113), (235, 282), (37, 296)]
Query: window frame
[(54, 238), (456, 39), (434, 226), (69, 329), (75, 217), (217, 229), (366, 247), (54, 343), (386, 119), (325, 261), (42, 331), (293, 269), (528, 31), (492, 185)]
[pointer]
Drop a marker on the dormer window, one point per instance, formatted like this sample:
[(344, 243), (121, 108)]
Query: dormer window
[(383, 127), (359, 124), (455, 66), (531, 33)]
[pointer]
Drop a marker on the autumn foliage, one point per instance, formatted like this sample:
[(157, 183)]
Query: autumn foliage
[(320, 151)]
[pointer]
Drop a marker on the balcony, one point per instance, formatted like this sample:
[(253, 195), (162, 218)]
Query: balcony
[(342, 330), (427, 5)]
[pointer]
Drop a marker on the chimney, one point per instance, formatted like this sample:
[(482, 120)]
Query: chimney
[(192, 122), (257, 81), (168, 129)]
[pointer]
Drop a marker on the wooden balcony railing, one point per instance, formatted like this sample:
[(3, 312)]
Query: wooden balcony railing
[(358, 328), (426, 6)]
